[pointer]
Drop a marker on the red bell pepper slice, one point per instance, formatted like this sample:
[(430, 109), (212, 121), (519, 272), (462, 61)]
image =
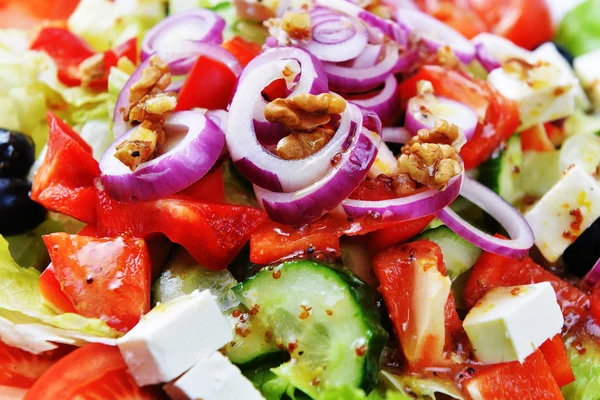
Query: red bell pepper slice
[(212, 233), (65, 181), (536, 139), (557, 359), (244, 50), (209, 85), (499, 116), (103, 278)]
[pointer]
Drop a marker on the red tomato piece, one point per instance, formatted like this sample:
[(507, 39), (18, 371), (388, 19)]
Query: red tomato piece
[(493, 271), (595, 303), (93, 371), (209, 189), (500, 116), (404, 282), (111, 57), (536, 139), (212, 233), (103, 278), (20, 368), (65, 181), (557, 359), (56, 9), (515, 381), (66, 49), (242, 49), (52, 292), (209, 85), (398, 233)]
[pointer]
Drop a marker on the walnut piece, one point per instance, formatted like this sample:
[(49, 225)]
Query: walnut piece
[(154, 107), (155, 78), (296, 25), (92, 68), (430, 164), (404, 185), (442, 133), (141, 145), (304, 112), (302, 144)]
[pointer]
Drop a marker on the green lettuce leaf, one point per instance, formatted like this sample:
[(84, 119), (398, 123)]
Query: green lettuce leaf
[(28, 249), (586, 368), (423, 388), (579, 31), (28, 323)]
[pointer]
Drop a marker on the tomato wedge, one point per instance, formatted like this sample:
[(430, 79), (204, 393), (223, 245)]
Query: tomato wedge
[(65, 181), (557, 359), (94, 371), (52, 292), (209, 85), (498, 116), (20, 368), (536, 139), (103, 278), (242, 49)]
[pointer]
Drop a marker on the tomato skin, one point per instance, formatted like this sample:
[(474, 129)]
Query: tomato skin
[(212, 233), (20, 368), (93, 371), (515, 381), (536, 139), (557, 359), (65, 181), (103, 278), (66, 49), (209, 189), (52, 292), (209, 84), (595, 303), (242, 49), (500, 115), (398, 233)]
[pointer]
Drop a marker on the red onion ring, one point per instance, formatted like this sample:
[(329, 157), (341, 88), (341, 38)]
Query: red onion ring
[(514, 223), (336, 38), (408, 58), (357, 80), (385, 103), (197, 25), (435, 33), (593, 276), (256, 163), (425, 110), (368, 58), (184, 163), (485, 58), (396, 135), (405, 208), (310, 203)]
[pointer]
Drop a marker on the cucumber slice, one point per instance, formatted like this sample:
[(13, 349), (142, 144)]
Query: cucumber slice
[(540, 171), (459, 255), (325, 317), (582, 150), (502, 173)]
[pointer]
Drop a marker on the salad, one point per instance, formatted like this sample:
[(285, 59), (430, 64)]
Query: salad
[(300, 199)]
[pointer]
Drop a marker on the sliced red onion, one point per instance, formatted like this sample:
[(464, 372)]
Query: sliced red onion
[(369, 57), (336, 38), (256, 163), (310, 203), (197, 25), (485, 58), (396, 135), (357, 80), (179, 66), (405, 208), (194, 145), (435, 33), (385, 103), (513, 222), (407, 59), (592, 277), (219, 117), (424, 110), (388, 28)]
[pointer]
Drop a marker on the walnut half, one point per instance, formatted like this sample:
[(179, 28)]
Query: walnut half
[(430, 164)]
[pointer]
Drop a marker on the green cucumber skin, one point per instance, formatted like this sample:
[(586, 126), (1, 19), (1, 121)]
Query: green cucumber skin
[(364, 306), (501, 173)]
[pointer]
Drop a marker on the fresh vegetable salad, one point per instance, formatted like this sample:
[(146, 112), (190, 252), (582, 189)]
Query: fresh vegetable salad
[(300, 199)]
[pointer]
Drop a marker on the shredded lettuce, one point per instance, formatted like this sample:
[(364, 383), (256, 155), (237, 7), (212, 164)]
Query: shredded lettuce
[(28, 250), (104, 24), (579, 31), (26, 322), (586, 369), (421, 387)]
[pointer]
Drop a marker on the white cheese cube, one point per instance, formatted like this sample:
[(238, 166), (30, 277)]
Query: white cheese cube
[(510, 323), (563, 213), (214, 378), (174, 336), (549, 53), (586, 68), (541, 90), (501, 48)]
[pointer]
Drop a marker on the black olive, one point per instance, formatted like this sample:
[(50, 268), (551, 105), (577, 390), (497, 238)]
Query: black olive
[(17, 153), (581, 256), (18, 213)]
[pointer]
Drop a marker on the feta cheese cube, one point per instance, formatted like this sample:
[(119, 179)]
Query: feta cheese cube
[(501, 48), (541, 90), (563, 213), (586, 68), (174, 336), (214, 378), (550, 54), (510, 323)]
